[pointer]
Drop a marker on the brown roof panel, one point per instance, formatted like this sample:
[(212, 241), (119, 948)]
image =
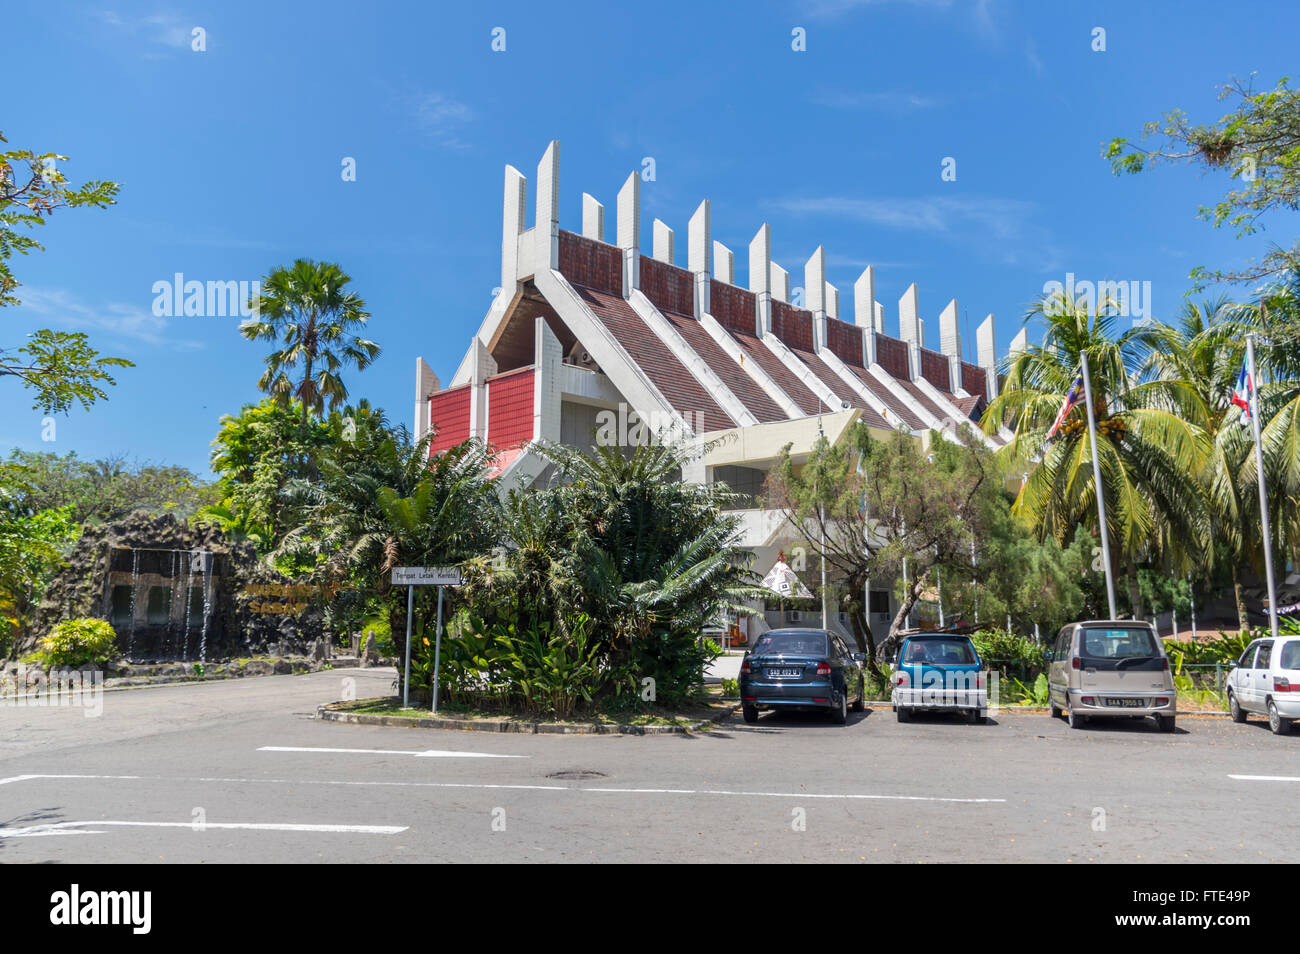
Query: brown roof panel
[(840, 387), (886, 396), (732, 374), (674, 381)]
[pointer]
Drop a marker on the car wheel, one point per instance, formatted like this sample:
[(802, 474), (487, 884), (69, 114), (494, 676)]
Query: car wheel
[(1075, 719), (981, 717), (1234, 707), (903, 714), (1165, 723), (750, 713), (1279, 725), (841, 715), (860, 702)]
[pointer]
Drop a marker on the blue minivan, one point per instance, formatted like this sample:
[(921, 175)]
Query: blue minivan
[(939, 672)]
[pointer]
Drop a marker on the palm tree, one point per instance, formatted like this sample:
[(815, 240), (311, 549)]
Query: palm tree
[(1278, 360), (308, 309), (1150, 439), (1203, 350)]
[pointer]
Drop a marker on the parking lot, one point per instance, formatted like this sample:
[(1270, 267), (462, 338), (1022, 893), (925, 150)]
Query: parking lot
[(239, 771)]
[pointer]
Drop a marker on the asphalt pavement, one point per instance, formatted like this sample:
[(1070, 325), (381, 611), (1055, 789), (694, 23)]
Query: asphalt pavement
[(239, 771)]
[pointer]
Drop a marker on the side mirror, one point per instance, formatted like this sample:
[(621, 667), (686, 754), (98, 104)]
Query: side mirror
[(1049, 655)]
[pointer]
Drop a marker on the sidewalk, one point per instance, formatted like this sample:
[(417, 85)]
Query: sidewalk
[(726, 666)]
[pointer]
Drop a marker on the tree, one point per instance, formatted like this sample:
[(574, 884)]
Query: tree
[(60, 366), (1258, 143), (1151, 441), (32, 546), (107, 489), (307, 308), (870, 505)]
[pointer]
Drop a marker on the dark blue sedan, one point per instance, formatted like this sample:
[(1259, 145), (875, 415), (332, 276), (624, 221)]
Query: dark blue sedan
[(801, 669)]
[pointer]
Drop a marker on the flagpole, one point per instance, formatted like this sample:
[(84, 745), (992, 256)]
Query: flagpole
[(1097, 488), (1253, 385)]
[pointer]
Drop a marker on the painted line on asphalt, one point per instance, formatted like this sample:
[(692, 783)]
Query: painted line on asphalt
[(538, 788), (88, 828), (1266, 778), (426, 754)]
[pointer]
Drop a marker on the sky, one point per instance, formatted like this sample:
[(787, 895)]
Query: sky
[(231, 159)]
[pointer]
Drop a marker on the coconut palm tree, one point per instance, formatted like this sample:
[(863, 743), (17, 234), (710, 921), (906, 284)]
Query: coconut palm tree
[(1150, 439), (1203, 350), (308, 309)]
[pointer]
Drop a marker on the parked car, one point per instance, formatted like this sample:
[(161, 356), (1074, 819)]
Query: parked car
[(1111, 668), (939, 672), (801, 669), (1266, 681)]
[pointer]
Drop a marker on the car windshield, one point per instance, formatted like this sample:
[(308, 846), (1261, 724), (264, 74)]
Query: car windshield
[(1291, 655), (791, 644), (939, 652), (1119, 644)]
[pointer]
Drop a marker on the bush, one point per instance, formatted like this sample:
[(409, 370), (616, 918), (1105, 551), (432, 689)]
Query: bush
[(76, 642), (1010, 652)]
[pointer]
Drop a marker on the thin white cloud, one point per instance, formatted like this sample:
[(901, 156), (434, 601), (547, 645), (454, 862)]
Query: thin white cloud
[(443, 118), (163, 29), (896, 101), (63, 311), (999, 218), (1031, 55)]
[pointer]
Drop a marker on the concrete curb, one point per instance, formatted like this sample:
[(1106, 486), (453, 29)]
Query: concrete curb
[(1044, 710), (331, 713)]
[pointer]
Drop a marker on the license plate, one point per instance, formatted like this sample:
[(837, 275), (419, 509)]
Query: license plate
[(784, 673), (1126, 703)]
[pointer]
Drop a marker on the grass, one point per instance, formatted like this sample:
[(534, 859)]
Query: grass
[(687, 715)]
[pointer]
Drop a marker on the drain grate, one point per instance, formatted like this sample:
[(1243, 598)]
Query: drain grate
[(577, 775)]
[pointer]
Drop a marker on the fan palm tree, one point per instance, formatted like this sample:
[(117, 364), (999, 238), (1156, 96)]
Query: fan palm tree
[(308, 310), (1150, 439)]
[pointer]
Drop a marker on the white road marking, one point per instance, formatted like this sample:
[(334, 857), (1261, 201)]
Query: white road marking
[(540, 788), (1266, 778), (87, 828), (427, 754)]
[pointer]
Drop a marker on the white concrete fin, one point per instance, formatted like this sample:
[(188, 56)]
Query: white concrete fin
[(780, 283), (814, 282), (724, 264), (514, 206), (909, 318), (629, 231), (949, 331), (864, 298), (760, 261), (1021, 341), (662, 249), (548, 201), (832, 301), (593, 218), (697, 239), (880, 318)]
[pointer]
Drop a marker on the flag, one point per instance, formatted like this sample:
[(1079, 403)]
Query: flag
[(1242, 392), (1074, 396)]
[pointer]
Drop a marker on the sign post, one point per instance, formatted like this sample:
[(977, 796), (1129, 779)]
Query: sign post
[(411, 577)]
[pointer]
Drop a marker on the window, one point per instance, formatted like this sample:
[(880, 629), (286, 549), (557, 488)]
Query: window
[(1265, 655), (1248, 657), (1291, 654), (743, 480), (1119, 644), (795, 644), (1063, 644), (940, 652), (880, 601), (160, 605)]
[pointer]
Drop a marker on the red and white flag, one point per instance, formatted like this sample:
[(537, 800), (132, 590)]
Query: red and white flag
[(1074, 396)]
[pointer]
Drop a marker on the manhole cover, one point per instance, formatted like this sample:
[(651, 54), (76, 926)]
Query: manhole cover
[(576, 775)]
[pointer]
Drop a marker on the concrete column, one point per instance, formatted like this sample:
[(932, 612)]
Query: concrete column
[(593, 218), (697, 256), (864, 298), (663, 243), (832, 301), (724, 264), (426, 383), (987, 355), (880, 318), (482, 367), (909, 318), (548, 362), (1021, 341), (547, 226), (814, 294), (760, 278), (629, 232), (780, 283), (512, 226)]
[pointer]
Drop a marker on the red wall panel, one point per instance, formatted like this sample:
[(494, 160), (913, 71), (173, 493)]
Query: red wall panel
[(734, 307), (891, 354), (794, 326), (669, 287), (510, 409), (585, 261), (844, 341), (450, 413), (934, 368)]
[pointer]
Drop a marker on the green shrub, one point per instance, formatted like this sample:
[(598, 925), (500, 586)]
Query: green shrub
[(1028, 694), (730, 688), (76, 642), (1010, 652)]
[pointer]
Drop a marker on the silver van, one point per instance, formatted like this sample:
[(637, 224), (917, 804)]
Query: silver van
[(1107, 668)]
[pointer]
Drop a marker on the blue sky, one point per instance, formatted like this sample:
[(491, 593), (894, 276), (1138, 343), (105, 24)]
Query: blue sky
[(230, 161)]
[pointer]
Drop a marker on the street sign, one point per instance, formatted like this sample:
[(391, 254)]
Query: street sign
[(426, 576)]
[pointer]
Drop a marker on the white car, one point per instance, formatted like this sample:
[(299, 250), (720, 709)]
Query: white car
[(1266, 681)]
